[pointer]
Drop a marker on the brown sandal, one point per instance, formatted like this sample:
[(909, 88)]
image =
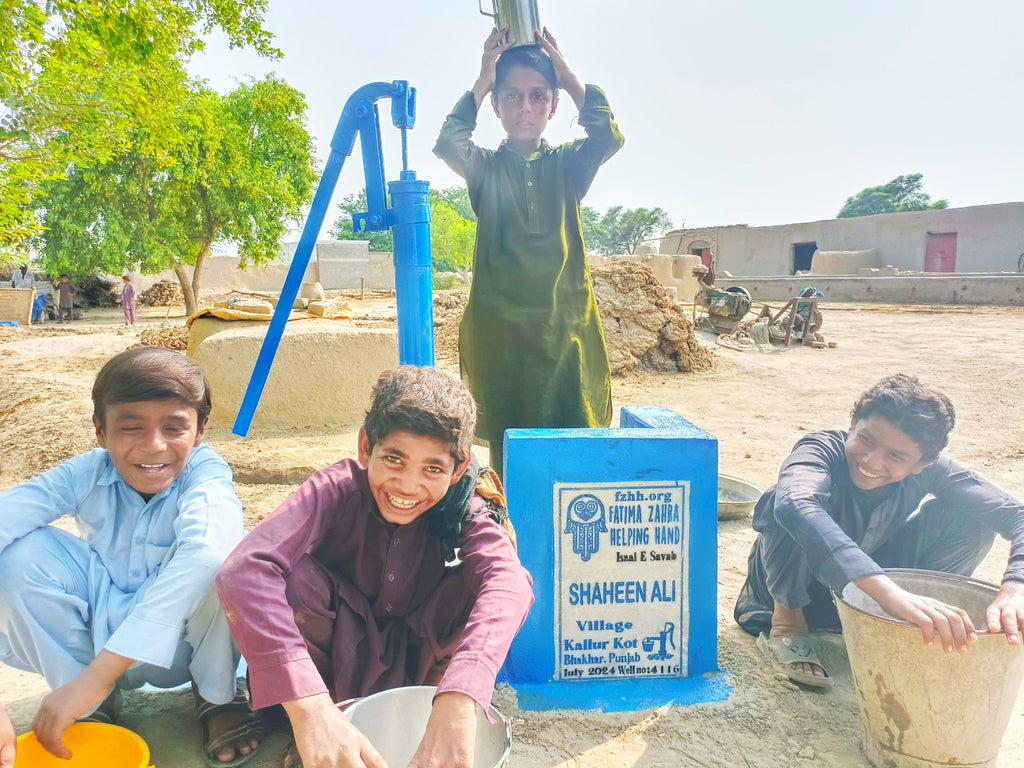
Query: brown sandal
[(247, 729)]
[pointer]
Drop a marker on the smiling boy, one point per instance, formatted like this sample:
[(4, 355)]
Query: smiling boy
[(352, 585), (843, 510), (130, 600)]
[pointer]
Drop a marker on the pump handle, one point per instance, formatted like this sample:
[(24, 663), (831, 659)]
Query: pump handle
[(485, 13)]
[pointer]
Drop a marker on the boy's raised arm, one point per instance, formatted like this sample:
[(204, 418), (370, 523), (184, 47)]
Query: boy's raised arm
[(566, 79), (496, 44)]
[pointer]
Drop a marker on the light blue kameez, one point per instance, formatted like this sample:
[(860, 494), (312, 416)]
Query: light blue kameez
[(138, 581)]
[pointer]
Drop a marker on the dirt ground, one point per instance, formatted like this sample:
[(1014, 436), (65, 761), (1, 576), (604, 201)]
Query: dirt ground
[(757, 404)]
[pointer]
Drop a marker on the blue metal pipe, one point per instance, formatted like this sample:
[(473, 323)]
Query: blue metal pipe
[(359, 116), (410, 228)]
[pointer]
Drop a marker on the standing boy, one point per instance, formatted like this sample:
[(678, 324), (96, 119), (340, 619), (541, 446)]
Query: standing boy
[(352, 585), (127, 299), (65, 299), (843, 510), (131, 600), (531, 345)]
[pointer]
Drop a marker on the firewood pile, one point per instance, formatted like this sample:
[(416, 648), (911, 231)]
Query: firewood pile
[(162, 294), (169, 336)]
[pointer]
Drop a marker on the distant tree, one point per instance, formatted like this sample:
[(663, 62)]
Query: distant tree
[(452, 238), (593, 232), (242, 167), (901, 194), (621, 230), (452, 231), (80, 82), (342, 229)]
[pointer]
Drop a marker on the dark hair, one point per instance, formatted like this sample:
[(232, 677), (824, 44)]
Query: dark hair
[(530, 56), (924, 415), (424, 401), (151, 373)]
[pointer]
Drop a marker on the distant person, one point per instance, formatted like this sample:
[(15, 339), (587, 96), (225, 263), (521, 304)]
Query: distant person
[(39, 308), (16, 278), (65, 299), (127, 299), (843, 510), (26, 281), (131, 599), (352, 586), (531, 344)]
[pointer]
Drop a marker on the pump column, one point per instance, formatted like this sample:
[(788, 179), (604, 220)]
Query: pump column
[(410, 227)]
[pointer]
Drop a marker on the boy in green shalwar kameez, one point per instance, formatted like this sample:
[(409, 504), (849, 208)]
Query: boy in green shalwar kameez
[(531, 345)]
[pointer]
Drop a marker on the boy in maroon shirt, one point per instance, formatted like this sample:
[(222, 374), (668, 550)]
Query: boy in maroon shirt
[(352, 585)]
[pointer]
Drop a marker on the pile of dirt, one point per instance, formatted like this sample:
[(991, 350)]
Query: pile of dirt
[(169, 336), (162, 294), (643, 327), (448, 309)]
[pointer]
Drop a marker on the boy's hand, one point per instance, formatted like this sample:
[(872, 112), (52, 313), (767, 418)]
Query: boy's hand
[(1006, 613), (450, 737), (326, 738), (953, 625), (63, 707), (564, 76), (7, 741), (496, 44)]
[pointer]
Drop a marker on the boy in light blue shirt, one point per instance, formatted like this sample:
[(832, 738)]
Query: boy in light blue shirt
[(131, 599)]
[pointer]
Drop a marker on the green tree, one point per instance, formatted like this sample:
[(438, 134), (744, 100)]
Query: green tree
[(452, 231), (78, 80), (242, 167), (452, 237), (621, 230), (350, 206), (901, 194)]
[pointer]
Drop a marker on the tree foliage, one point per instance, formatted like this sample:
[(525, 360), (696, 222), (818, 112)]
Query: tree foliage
[(78, 80), (452, 228), (621, 230), (901, 194), (241, 167)]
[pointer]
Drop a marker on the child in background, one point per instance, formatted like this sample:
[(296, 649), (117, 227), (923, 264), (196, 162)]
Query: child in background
[(531, 344), (843, 510), (351, 586), (127, 299), (131, 600), (65, 299)]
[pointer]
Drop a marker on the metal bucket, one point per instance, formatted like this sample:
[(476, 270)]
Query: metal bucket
[(394, 721), (736, 497), (520, 16), (919, 706)]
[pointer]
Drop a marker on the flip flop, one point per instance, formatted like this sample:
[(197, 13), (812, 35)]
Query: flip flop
[(246, 730), (785, 652)]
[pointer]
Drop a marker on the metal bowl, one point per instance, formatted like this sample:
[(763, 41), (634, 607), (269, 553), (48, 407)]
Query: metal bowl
[(736, 497), (394, 721)]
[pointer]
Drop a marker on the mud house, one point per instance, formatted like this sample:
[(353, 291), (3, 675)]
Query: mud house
[(982, 238)]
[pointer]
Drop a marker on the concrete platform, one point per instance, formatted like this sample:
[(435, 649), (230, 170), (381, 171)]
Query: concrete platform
[(322, 373)]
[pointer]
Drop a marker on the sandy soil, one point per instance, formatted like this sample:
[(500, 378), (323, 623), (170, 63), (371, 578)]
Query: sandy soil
[(757, 405)]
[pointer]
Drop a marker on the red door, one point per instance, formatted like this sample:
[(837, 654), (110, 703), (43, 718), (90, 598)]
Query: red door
[(940, 252), (704, 253)]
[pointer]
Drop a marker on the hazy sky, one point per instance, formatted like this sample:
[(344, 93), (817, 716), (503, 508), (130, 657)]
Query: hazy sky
[(756, 112)]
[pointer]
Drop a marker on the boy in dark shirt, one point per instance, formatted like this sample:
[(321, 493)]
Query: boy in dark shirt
[(842, 511)]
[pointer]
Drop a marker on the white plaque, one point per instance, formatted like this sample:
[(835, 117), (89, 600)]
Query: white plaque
[(621, 605)]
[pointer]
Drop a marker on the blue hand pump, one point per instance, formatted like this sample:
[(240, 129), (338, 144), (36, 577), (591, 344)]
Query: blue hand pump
[(408, 218)]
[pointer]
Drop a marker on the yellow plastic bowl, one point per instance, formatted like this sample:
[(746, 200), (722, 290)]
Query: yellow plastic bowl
[(95, 745)]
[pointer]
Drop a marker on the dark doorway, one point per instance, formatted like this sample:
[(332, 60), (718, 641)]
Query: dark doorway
[(802, 255)]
